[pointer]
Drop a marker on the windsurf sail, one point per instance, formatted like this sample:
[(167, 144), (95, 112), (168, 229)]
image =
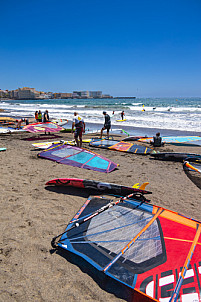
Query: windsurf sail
[(78, 157), (120, 146), (173, 139), (43, 127), (148, 248)]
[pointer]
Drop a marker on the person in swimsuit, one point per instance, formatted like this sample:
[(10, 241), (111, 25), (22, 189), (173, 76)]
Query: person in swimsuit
[(79, 125)]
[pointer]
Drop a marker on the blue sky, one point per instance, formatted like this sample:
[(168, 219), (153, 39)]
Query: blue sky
[(138, 48)]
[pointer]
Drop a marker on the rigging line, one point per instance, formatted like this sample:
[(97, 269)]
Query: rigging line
[(109, 221), (95, 213), (186, 265), (106, 231), (159, 211), (122, 215), (110, 241)]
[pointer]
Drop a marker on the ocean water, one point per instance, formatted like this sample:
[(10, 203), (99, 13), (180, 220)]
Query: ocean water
[(169, 114)]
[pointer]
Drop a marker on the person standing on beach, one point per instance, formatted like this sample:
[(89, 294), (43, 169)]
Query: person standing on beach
[(36, 116), (107, 124), (79, 125), (46, 117), (39, 116)]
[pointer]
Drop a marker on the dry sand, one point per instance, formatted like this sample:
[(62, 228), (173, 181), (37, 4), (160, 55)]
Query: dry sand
[(31, 215)]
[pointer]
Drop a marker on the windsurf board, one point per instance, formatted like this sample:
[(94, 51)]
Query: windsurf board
[(4, 130), (7, 119), (174, 156), (45, 145), (121, 120), (96, 185), (60, 122)]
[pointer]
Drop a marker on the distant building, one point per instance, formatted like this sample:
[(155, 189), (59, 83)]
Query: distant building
[(66, 95), (13, 94), (87, 94), (45, 95), (106, 96), (4, 93), (27, 93), (77, 94), (95, 94), (62, 95)]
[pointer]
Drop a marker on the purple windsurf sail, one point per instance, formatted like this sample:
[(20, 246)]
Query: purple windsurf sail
[(78, 157), (43, 127)]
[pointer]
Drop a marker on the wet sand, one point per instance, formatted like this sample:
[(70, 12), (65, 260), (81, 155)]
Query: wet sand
[(32, 214)]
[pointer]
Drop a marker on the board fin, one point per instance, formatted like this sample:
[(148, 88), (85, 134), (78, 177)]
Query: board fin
[(136, 186), (143, 186)]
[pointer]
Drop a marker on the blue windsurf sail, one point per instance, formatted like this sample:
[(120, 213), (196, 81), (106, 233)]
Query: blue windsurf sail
[(122, 146), (78, 157), (140, 245)]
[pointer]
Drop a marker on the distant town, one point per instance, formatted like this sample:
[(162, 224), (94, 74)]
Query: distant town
[(27, 93)]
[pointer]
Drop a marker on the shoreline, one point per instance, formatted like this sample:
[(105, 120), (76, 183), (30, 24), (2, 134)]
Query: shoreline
[(133, 131), (142, 131)]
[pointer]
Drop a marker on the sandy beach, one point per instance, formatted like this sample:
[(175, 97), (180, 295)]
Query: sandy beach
[(32, 214)]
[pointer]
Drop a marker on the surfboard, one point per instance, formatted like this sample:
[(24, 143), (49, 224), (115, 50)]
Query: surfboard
[(60, 122), (10, 129), (121, 120), (4, 130), (133, 138), (2, 149), (96, 185), (175, 156), (7, 119), (45, 145)]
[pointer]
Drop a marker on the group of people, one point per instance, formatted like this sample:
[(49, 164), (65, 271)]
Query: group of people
[(39, 118), (79, 125)]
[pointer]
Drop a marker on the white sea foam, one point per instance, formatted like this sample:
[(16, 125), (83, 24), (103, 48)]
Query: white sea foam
[(166, 115)]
